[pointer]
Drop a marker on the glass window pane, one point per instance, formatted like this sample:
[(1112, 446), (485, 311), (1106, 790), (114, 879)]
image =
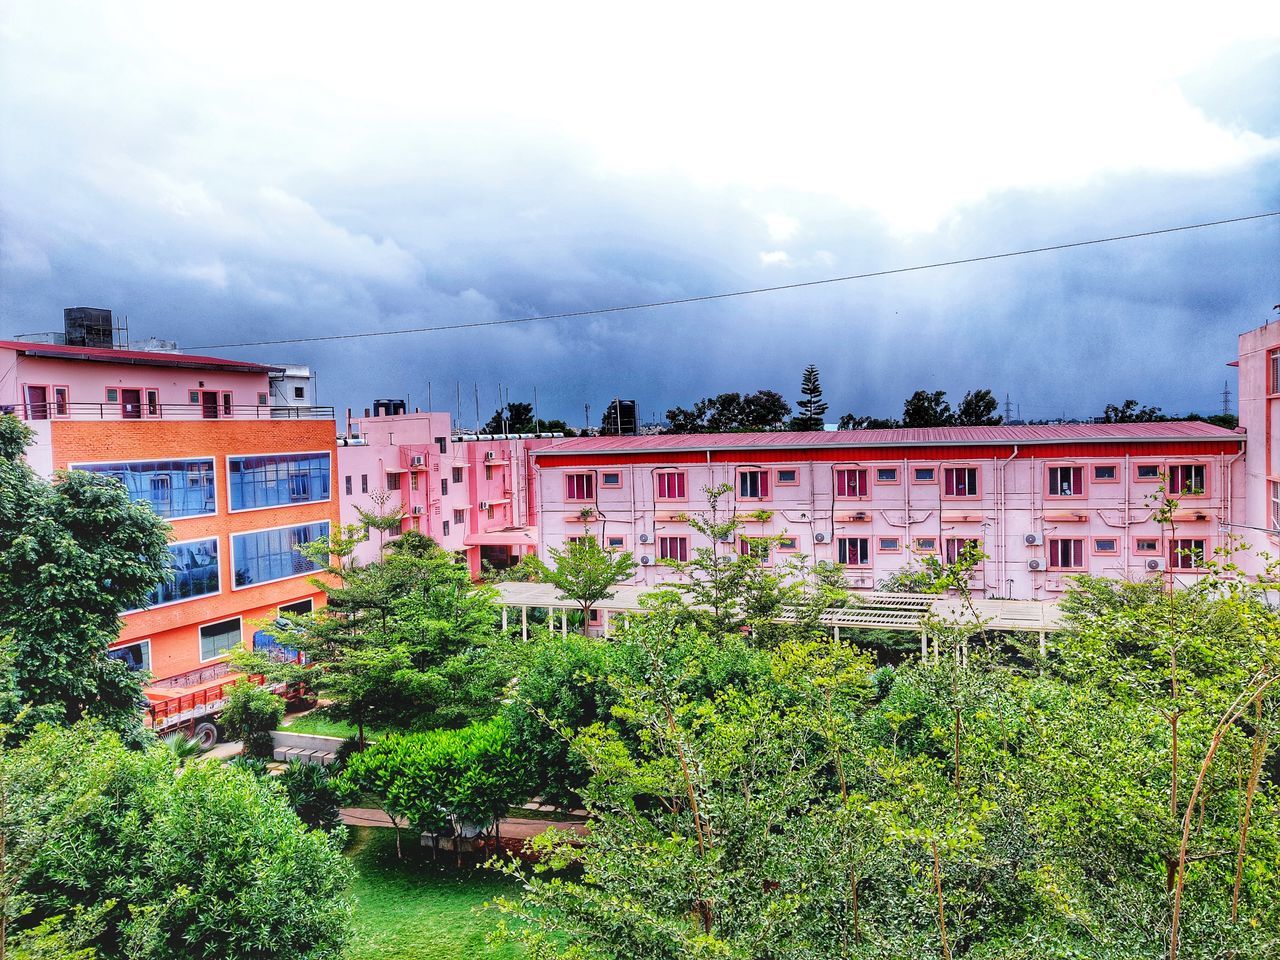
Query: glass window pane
[(217, 638), (267, 555), (278, 480), (193, 572), (172, 488)]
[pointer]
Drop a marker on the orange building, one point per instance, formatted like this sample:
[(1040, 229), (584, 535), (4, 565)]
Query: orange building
[(242, 481)]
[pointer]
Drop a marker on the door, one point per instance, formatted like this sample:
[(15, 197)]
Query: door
[(131, 404), (37, 403), (209, 404)]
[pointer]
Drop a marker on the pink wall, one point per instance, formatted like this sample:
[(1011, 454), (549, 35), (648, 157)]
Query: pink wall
[(1260, 416), (1013, 502)]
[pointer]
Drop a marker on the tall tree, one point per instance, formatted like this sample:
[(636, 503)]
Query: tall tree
[(811, 405), (1131, 412), (978, 409), (731, 413), (925, 409), (517, 417), (852, 421), (74, 554), (586, 573)]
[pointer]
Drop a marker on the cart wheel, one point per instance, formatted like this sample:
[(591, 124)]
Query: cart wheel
[(205, 734)]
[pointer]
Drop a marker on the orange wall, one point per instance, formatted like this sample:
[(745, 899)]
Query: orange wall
[(174, 629)]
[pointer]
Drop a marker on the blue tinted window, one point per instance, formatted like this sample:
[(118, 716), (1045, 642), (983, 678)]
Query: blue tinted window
[(173, 488), (193, 572), (278, 479), (272, 554)]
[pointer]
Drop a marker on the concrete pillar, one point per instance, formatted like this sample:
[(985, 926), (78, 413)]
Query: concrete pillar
[(606, 624), (924, 643), (564, 622), (524, 624), (504, 619), (837, 633), (1044, 646)]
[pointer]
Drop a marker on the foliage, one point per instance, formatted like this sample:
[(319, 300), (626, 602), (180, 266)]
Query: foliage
[(1131, 412), (250, 714), (517, 417), (383, 517), (585, 572), (927, 409), (313, 794), (731, 413), (443, 781), (202, 860), (74, 554), (978, 409), (811, 405)]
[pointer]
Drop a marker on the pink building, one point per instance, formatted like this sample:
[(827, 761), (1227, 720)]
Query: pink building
[(471, 494), (1044, 502), (1259, 393)]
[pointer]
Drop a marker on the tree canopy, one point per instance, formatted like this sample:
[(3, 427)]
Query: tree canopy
[(731, 413), (811, 405)]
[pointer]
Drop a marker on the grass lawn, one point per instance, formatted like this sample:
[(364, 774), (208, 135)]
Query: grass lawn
[(414, 909), (318, 724)]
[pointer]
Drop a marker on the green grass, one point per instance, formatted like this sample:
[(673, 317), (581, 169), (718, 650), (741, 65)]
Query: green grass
[(321, 726), (415, 909)]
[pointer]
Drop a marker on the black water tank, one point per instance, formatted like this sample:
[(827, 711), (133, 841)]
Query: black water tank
[(88, 327), (388, 408)]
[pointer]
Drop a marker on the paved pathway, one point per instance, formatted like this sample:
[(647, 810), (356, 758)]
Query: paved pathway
[(513, 828)]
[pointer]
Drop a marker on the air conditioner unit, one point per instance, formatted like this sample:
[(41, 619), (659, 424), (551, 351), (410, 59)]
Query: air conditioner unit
[(819, 538), (726, 538), (416, 461), (645, 561), (489, 455), (644, 538), (417, 511), (484, 504), (1033, 539), (860, 515), (1035, 564), (1155, 564)]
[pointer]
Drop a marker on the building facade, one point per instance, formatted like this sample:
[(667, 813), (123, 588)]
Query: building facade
[(1043, 503), (1259, 393), (241, 482), (472, 494)]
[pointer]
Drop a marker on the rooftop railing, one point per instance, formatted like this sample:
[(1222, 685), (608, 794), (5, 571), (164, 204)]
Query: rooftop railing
[(54, 410)]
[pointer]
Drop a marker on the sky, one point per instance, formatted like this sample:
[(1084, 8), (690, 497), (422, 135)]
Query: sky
[(252, 171)]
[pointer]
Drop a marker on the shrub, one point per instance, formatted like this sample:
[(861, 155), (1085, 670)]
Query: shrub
[(250, 714), (313, 794)]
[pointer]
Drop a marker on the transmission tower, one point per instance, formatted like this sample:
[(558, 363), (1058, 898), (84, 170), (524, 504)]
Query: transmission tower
[(1008, 409), (1226, 399)]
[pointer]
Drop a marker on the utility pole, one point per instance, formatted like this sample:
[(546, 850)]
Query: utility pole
[(1226, 399), (586, 418), (475, 387), (1008, 409)]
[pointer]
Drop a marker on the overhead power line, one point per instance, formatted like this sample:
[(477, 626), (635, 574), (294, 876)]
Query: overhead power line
[(704, 298)]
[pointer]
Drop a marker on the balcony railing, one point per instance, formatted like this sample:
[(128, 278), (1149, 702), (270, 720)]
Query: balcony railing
[(162, 411)]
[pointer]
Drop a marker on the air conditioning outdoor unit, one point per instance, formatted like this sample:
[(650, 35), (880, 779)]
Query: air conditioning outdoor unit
[(484, 504), (819, 538), (644, 538), (416, 461), (645, 561), (1035, 564), (1155, 564), (1033, 539), (726, 538), (859, 515), (417, 511), (488, 455)]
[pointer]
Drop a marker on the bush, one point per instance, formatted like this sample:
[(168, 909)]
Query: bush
[(313, 794), (250, 714)]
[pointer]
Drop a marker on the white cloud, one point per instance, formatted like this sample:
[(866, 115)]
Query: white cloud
[(774, 257)]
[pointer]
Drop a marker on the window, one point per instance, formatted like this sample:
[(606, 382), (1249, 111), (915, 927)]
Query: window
[(1186, 479), (413, 480), (614, 543), (960, 481), (153, 403), (787, 544), (226, 404), (670, 485), (136, 656), (459, 517), (61, 401), (886, 475), (489, 513), (1148, 471), (1185, 554), (1066, 554), (753, 484), (262, 399), (577, 486), (924, 475), (853, 551), (925, 545), (393, 481), (280, 479), (298, 606), (1104, 473), (673, 548), (788, 477), (1274, 362), (757, 547), (1066, 482), (444, 487), (193, 396), (173, 488), (266, 555), (1275, 505), (1147, 545), (851, 483), (299, 393), (954, 547), (488, 472), (610, 479), (444, 528), (440, 443), (1105, 545), (219, 638), (113, 395), (457, 475), (193, 572), (364, 483), (890, 545)]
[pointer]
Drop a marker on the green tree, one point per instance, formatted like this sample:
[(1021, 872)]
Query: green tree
[(978, 409), (925, 409), (74, 554), (731, 413), (1131, 412), (517, 417), (172, 862), (851, 421), (811, 405), (250, 714), (586, 573)]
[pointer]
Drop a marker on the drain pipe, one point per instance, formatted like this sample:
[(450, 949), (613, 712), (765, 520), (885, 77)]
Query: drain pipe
[(1002, 515)]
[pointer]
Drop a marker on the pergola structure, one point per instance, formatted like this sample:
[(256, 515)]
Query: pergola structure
[(910, 612)]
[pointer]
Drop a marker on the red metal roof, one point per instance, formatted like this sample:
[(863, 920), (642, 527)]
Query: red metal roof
[(1174, 431), (147, 358)]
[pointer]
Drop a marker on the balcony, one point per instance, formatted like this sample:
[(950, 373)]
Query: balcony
[(128, 410)]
